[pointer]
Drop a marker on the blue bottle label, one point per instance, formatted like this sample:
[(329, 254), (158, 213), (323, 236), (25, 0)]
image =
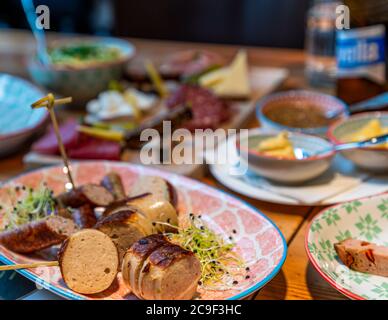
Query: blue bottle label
[(361, 53)]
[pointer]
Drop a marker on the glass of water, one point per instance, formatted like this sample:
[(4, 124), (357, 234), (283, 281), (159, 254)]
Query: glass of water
[(320, 68)]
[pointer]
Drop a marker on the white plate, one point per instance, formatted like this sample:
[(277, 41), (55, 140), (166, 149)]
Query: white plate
[(370, 185)]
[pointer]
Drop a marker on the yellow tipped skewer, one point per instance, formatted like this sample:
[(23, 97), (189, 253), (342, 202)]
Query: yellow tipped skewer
[(29, 265), (49, 102)]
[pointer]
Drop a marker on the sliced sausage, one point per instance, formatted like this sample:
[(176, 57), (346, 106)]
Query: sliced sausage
[(84, 216), (158, 210), (159, 187), (121, 204), (88, 261), (112, 182), (134, 258), (169, 273), (363, 256), (124, 228), (38, 235), (93, 194)]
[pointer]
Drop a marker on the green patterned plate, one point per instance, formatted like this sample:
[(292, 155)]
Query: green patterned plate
[(365, 219)]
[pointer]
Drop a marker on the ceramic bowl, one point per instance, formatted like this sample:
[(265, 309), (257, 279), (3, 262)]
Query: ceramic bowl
[(328, 104), (83, 83), (364, 219), (18, 122), (284, 170), (376, 158)]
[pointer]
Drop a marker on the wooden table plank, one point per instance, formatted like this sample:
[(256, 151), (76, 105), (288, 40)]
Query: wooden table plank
[(298, 280)]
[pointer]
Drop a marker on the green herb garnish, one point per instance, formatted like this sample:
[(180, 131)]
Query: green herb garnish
[(31, 206), (219, 263)]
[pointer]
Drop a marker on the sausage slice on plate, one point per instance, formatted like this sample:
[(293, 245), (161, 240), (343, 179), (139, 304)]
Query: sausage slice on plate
[(159, 187), (92, 194), (158, 210), (154, 268), (134, 258), (363, 256), (38, 235), (84, 216), (124, 228), (112, 182), (88, 261)]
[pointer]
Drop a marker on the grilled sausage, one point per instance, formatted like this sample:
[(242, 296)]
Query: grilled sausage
[(38, 235), (363, 256), (157, 269), (88, 261), (121, 204), (92, 194), (159, 187), (112, 182), (134, 258), (84, 216), (124, 228), (158, 210)]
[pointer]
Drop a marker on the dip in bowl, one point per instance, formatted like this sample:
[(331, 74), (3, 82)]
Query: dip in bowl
[(300, 111), (277, 165), (362, 127), (82, 68)]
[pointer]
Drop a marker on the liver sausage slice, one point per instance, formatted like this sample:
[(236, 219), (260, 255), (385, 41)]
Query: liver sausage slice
[(363, 256), (88, 261)]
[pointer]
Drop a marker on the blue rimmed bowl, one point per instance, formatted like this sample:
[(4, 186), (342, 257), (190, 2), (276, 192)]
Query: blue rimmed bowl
[(375, 158), (18, 121), (82, 82), (327, 104), (283, 170)]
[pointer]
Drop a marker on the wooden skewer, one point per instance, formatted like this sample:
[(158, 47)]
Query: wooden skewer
[(49, 102), (30, 265)]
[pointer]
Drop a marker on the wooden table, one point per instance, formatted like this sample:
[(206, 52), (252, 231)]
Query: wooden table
[(297, 279)]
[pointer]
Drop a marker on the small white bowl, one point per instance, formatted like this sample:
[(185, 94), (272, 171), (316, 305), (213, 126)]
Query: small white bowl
[(289, 171), (374, 159)]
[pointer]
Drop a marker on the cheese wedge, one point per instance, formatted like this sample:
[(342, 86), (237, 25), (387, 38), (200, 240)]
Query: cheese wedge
[(231, 81)]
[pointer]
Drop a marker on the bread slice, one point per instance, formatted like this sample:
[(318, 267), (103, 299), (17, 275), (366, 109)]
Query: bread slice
[(88, 261)]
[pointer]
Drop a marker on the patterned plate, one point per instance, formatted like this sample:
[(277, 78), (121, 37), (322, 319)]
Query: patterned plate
[(365, 219), (259, 242)]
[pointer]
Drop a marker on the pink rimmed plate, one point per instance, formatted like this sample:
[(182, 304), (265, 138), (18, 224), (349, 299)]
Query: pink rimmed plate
[(258, 241)]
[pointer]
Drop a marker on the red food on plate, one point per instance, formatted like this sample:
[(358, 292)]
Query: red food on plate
[(207, 109), (48, 143), (77, 145), (189, 62), (92, 148)]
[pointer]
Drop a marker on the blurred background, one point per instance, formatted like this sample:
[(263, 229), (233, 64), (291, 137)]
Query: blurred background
[(218, 21)]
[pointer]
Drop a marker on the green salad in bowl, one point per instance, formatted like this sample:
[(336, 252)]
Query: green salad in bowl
[(83, 54), (82, 67)]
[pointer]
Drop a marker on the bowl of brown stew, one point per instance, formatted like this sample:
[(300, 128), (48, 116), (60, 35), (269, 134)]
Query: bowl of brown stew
[(300, 111)]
